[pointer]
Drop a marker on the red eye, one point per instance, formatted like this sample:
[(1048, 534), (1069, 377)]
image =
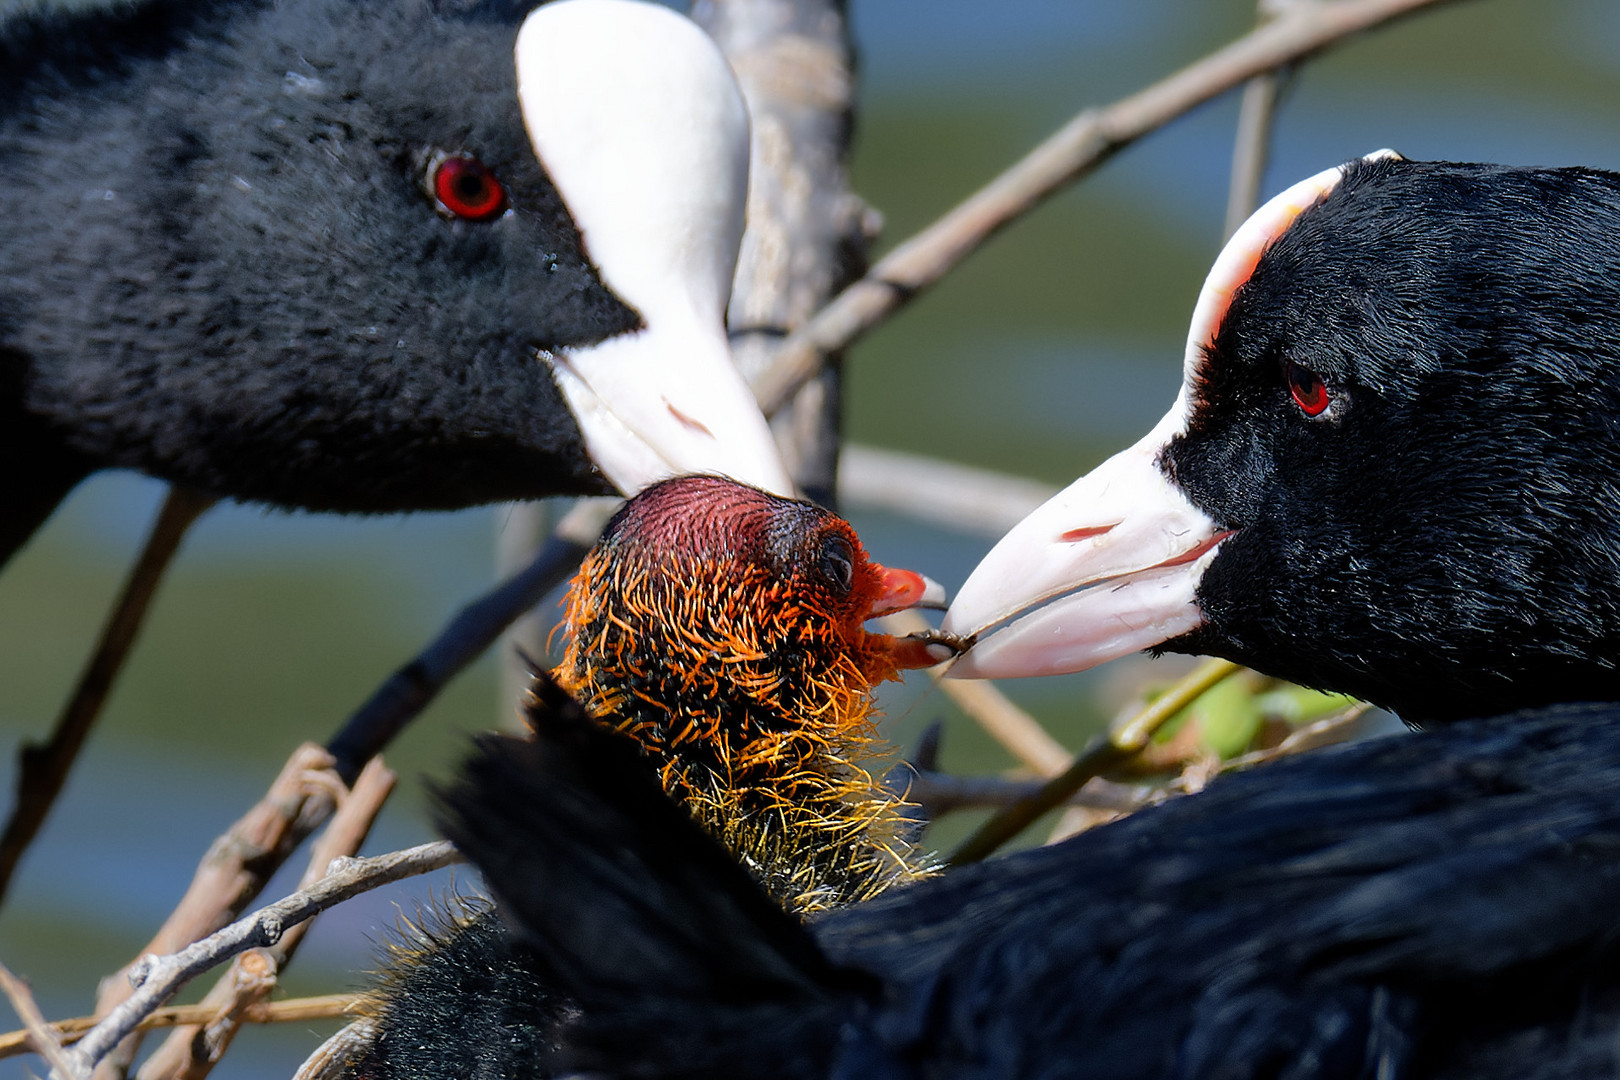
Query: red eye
[(1309, 392), (468, 190)]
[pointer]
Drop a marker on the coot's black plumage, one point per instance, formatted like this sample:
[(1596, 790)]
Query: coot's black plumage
[(237, 257), (1443, 905), (1390, 472)]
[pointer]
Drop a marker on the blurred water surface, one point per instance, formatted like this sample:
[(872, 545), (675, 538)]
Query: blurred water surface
[(1055, 345)]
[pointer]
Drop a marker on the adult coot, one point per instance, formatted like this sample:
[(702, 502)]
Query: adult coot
[(351, 256), (1393, 468)]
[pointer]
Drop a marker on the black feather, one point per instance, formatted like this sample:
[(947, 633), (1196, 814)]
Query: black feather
[(1408, 906), (463, 1000), (1420, 906)]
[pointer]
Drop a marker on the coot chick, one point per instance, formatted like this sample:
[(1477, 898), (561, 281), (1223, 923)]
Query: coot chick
[(368, 257), (716, 642), (1389, 473)]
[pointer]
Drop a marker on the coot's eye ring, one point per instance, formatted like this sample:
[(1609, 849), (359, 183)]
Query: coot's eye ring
[(1307, 389), (463, 187), (837, 563)]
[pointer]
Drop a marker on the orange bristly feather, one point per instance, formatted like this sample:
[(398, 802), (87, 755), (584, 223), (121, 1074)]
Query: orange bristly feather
[(757, 702)]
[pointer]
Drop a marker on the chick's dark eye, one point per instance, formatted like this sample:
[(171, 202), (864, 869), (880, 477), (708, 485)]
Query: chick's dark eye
[(1307, 389), (838, 563), (467, 189)]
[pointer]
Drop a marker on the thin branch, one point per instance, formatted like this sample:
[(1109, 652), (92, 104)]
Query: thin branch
[(474, 628), (158, 977), (1012, 727), (331, 1059), (936, 491), (37, 1034), (192, 1052), (291, 1010), (239, 863), (1251, 146), (941, 793), (1103, 753), (1328, 731), (42, 770), (1092, 137), (521, 530)]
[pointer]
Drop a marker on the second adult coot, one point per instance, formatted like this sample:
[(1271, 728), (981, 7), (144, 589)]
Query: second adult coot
[(368, 257)]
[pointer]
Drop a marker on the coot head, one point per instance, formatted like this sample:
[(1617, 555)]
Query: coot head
[(1392, 466)]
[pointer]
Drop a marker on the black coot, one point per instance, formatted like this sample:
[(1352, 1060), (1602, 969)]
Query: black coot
[(368, 256)]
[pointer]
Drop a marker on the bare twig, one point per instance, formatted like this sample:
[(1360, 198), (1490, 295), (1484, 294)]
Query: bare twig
[(941, 793), (938, 492), (292, 1010), (1012, 727), (157, 977), (1089, 139), (408, 690), (1251, 147), (42, 770), (38, 1034), (1329, 730), (238, 864), (191, 1052), (521, 530), (1103, 753), (331, 1059)]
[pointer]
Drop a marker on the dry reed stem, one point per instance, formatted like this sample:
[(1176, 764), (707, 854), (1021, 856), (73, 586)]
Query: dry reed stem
[(190, 1053), (1103, 753), (292, 1010), (158, 977), (42, 770)]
